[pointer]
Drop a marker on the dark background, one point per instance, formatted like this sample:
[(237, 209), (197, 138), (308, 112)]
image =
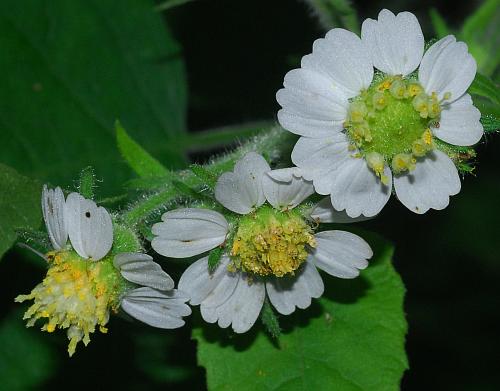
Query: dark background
[(236, 55)]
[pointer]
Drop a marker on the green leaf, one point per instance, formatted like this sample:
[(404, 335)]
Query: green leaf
[(86, 184), (439, 24), (270, 320), (27, 360), (480, 32), (188, 191), (484, 86), (335, 13), (69, 69), (19, 205), (205, 175), (351, 339), (490, 123), (36, 240), (214, 257), (137, 158)]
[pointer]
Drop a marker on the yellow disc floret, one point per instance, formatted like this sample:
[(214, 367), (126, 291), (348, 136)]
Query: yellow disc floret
[(76, 295), (271, 242)]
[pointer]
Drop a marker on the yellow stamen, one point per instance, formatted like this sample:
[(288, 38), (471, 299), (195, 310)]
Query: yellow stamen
[(271, 243)]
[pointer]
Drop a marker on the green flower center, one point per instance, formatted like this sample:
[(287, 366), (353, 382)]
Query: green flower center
[(390, 124), (271, 242)]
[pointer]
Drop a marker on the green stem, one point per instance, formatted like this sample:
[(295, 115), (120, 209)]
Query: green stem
[(274, 145)]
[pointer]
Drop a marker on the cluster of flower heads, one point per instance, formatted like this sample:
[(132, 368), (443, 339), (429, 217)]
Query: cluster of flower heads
[(363, 132), (269, 246)]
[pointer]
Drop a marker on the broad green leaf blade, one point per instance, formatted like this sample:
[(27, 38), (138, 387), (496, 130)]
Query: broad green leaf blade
[(19, 205), (137, 158), (353, 339), (480, 32), (69, 69), (484, 86), (27, 360)]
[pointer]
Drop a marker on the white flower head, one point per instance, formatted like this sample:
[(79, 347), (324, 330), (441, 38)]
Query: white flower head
[(365, 133), (268, 247), (83, 286)]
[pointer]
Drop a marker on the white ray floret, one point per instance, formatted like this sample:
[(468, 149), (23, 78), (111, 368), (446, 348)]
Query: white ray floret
[(241, 190), (162, 309), (53, 214), (187, 232), (90, 228)]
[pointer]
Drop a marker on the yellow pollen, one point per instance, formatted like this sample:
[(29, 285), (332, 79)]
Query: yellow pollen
[(271, 243), (413, 90), (398, 89), (73, 296), (403, 162), (377, 163), (385, 85), (427, 137)]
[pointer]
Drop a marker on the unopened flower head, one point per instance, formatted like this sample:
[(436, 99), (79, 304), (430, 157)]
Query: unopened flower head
[(268, 241), (87, 280), (366, 132)]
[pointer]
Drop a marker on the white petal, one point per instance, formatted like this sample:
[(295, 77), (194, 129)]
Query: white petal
[(187, 232), (223, 290), (156, 308), (341, 254), (53, 214), (447, 67), (396, 43), (241, 190), (241, 309), (357, 189), (324, 212), (286, 194), (197, 282), (459, 123), (312, 95), (307, 126), (286, 293), (312, 106), (320, 157), (341, 57), (286, 174), (430, 185), (90, 228), (140, 269)]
